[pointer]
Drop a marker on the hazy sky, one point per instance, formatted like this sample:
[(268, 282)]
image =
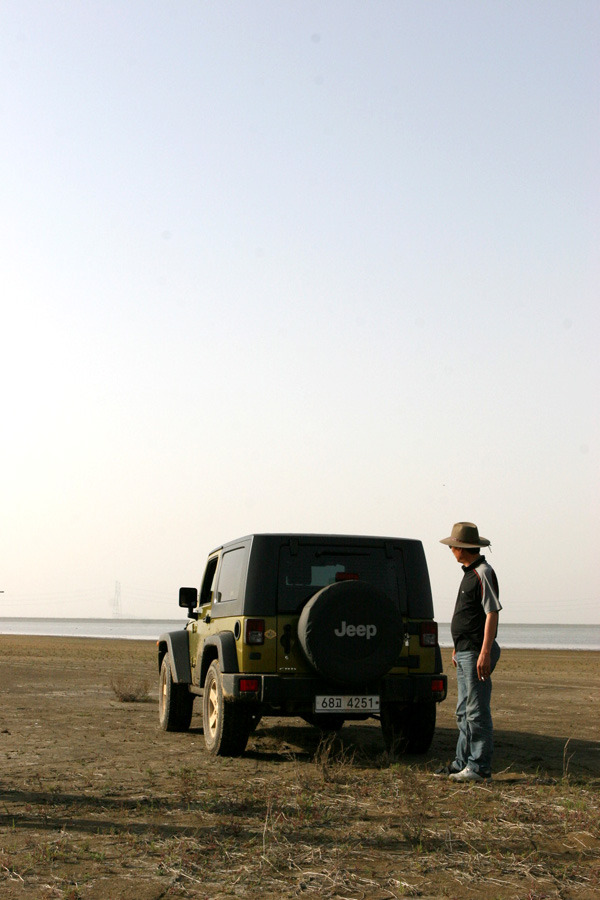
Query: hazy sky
[(301, 266)]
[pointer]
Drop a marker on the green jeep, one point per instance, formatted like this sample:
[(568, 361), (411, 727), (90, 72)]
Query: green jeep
[(329, 628)]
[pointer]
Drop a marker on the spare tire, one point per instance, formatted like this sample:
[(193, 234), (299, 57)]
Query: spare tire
[(351, 632)]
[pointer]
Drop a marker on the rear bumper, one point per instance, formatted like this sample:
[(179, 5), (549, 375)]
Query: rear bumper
[(415, 688), (280, 692)]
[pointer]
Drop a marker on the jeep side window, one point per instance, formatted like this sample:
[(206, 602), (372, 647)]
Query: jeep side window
[(230, 575), (208, 581)]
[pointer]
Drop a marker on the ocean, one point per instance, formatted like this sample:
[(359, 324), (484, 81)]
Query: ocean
[(540, 637)]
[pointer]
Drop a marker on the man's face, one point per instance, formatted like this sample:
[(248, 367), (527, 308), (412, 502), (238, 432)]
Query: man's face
[(463, 556)]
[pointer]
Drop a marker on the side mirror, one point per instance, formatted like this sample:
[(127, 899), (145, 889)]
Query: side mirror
[(188, 599)]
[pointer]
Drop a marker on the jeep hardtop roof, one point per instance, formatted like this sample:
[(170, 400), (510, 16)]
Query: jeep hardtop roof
[(311, 538), (261, 577)]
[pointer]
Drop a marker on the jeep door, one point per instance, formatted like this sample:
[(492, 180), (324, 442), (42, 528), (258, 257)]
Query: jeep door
[(198, 629)]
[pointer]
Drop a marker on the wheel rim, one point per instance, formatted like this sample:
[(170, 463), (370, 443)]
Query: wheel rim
[(213, 708)]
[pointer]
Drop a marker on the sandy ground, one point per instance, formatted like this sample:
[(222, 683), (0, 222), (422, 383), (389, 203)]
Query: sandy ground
[(96, 802)]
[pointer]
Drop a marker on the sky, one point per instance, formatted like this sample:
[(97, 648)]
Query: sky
[(307, 266)]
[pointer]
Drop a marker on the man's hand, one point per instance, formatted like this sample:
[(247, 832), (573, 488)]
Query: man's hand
[(484, 665)]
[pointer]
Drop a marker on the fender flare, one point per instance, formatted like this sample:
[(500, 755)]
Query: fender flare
[(176, 644), (226, 653)]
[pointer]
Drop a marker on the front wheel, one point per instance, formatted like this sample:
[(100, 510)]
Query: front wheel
[(408, 729), (175, 703), (227, 724)]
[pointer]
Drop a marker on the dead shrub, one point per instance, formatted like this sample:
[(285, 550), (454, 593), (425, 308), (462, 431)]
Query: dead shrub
[(128, 689)]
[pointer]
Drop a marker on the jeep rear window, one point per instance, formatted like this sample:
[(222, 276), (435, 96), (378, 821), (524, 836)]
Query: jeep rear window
[(303, 573)]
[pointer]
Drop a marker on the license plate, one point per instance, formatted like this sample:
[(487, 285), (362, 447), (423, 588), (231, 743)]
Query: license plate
[(347, 703)]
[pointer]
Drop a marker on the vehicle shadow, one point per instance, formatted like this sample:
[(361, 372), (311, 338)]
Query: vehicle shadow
[(518, 753)]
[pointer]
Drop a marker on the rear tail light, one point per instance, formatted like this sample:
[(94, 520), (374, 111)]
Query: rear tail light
[(437, 686), (248, 685), (428, 634), (254, 632)]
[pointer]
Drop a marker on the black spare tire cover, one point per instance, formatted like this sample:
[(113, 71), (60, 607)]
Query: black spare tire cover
[(351, 632)]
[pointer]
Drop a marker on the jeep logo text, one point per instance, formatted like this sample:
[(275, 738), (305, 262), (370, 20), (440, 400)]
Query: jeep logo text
[(367, 631)]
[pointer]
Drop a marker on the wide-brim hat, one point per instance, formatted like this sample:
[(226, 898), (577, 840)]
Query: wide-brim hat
[(466, 535)]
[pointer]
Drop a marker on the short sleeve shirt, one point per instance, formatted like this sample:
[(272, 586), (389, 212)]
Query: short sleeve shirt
[(478, 595)]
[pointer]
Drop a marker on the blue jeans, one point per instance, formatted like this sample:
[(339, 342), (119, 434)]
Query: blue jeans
[(475, 744)]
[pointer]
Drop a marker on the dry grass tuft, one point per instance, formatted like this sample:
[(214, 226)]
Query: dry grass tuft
[(128, 689)]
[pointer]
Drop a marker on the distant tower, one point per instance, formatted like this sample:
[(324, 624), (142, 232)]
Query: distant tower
[(117, 601)]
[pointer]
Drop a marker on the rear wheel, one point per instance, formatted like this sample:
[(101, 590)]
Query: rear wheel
[(255, 719), (408, 729), (227, 724), (175, 703)]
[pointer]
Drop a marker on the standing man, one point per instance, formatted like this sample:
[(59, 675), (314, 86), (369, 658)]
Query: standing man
[(474, 628)]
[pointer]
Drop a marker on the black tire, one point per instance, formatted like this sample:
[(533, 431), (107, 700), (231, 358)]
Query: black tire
[(227, 724), (421, 726), (255, 719), (408, 729), (175, 703), (351, 632)]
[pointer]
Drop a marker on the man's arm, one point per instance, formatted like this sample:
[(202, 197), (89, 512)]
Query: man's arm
[(484, 663)]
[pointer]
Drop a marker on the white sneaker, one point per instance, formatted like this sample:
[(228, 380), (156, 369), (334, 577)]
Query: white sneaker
[(469, 774), (445, 771)]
